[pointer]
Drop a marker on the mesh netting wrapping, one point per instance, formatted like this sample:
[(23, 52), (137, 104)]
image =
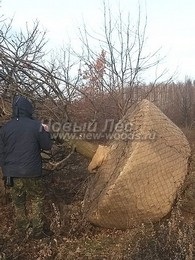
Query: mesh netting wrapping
[(139, 174)]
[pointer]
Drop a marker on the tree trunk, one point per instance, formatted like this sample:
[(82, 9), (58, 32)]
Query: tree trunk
[(83, 147)]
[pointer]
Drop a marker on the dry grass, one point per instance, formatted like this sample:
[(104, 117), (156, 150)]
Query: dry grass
[(172, 238)]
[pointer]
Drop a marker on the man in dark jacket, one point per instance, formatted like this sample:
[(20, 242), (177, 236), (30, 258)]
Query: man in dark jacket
[(21, 142)]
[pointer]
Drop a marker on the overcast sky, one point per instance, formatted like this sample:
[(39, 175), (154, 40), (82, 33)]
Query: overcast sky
[(170, 24)]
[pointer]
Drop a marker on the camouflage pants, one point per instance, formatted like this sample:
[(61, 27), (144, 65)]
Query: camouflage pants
[(27, 198)]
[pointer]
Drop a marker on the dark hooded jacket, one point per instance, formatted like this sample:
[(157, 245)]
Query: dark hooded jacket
[(21, 142)]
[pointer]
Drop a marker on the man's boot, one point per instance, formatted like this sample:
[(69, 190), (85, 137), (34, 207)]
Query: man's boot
[(40, 230), (45, 233), (21, 228)]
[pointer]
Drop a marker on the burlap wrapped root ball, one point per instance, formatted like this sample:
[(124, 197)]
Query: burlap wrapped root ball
[(138, 176)]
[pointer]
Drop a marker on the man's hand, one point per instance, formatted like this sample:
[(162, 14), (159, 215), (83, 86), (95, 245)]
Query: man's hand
[(46, 127)]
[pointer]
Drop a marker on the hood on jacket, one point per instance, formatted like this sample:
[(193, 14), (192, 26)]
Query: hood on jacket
[(22, 107)]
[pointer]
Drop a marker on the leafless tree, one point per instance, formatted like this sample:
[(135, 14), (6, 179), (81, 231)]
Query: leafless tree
[(185, 95), (24, 68), (122, 59), (115, 68)]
